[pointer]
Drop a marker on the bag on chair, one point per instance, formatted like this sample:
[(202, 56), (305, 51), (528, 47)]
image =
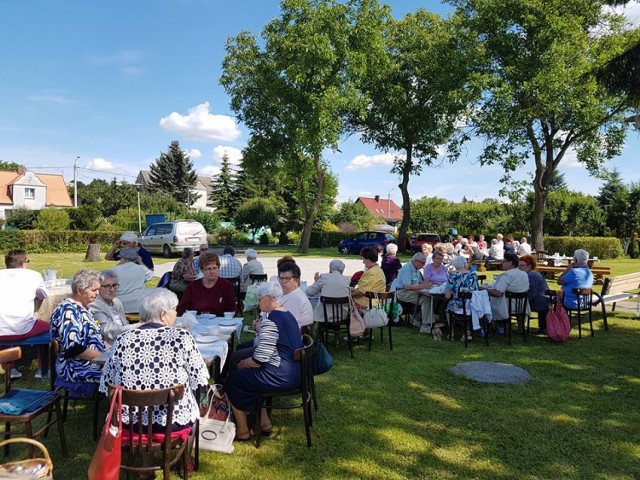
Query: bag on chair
[(376, 316), (216, 435), (356, 323), (105, 464), (558, 325)]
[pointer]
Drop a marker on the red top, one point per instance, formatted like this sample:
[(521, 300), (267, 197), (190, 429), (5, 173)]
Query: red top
[(218, 299)]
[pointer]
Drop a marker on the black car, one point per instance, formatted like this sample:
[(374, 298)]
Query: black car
[(365, 239)]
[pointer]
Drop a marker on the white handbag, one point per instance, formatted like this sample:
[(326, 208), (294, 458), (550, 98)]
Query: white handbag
[(216, 435), (376, 316)]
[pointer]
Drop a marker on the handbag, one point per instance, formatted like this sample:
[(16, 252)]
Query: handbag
[(322, 360), (558, 325), (105, 464), (376, 316), (215, 404), (356, 323), (216, 435)]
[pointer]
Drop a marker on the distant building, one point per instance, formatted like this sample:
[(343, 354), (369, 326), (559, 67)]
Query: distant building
[(382, 208), (30, 190), (202, 188)]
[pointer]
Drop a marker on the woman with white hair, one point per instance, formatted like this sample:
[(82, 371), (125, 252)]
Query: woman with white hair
[(157, 355), (132, 276), (333, 284), (253, 266), (269, 366), (391, 264), (577, 275)]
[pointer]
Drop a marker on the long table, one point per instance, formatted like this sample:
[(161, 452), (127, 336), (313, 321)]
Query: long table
[(550, 271)]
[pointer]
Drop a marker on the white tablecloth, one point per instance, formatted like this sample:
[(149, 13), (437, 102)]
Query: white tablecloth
[(49, 304)]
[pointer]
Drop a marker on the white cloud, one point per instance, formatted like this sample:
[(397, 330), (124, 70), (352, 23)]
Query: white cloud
[(367, 161), (57, 99), (200, 125), (194, 153), (210, 171), (234, 154), (100, 164)]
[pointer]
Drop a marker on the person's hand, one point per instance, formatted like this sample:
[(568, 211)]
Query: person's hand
[(316, 277)]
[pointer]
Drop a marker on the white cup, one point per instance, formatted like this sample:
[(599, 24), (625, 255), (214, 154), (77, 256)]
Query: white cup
[(229, 314), (214, 330)]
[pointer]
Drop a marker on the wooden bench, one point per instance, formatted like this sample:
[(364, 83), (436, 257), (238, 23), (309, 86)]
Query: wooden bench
[(484, 265), (615, 289), (549, 272)]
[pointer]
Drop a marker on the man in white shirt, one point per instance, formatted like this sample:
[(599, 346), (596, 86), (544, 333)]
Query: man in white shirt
[(513, 280), (525, 247), (294, 299), (21, 293)]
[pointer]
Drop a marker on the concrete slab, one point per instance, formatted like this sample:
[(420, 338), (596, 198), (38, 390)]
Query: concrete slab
[(491, 372)]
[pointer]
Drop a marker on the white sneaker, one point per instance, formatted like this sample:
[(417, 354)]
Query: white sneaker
[(15, 373), (425, 329), (39, 375)]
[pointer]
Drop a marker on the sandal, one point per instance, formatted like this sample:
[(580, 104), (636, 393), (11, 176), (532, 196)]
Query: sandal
[(242, 438)]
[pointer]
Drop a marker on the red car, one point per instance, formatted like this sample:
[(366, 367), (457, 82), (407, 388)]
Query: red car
[(421, 238)]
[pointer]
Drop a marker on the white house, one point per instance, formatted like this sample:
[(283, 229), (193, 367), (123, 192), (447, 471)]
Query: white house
[(32, 190), (202, 188)]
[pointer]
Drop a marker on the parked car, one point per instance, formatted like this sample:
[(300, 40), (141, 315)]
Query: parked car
[(421, 238), (173, 237), (365, 239)]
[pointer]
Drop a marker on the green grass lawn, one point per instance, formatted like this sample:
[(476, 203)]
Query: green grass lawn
[(403, 414)]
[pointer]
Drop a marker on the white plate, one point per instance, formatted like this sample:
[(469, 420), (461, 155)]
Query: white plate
[(228, 323), (206, 339)]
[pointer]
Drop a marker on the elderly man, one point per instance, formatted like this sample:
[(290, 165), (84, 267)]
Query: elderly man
[(294, 299), (577, 275), (196, 261), (408, 285), (21, 293), (333, 284), (512, 280), (132, 276), (230, 266), (253, 266), (129, 240)]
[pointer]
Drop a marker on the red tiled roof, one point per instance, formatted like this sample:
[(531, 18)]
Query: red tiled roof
[(382, 208), (57, 194)]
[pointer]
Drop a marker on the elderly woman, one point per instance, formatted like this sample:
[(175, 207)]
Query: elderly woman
[(164, 355), (132, 276), (333, 284), (293, 298), (460, 279), (496, 252), (253, 266), (77, 332), (269, 366), (435, 273), (538, 302), (372, 280), (577, 275), (391, 264), (107, 309), (211, 293), (184, 271), (427, 249)]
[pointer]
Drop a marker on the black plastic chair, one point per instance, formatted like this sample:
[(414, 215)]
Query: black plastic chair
[(386, 301), (235, 281), (257, 277), (337, 319), (517, 307), (165, 280), (584, 298)]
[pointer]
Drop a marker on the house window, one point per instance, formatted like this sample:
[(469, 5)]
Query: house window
[(30, 193)]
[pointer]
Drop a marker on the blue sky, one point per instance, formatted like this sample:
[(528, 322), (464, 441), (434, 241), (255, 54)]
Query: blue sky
[(115, 82)]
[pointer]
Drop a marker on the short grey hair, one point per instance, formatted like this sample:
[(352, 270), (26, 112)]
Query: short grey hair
[(107, 274), (459, 262), (251, 254), (188, 252), (427, 248), (155, 302), (336, 265), (419, 256), (84, 279), (437, 253), (270, 288), (523, 240), (392, 249), (581, 256)]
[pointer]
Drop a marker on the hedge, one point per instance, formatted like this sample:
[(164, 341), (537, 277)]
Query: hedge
[(328, 239), (41, 241), (602, 247)]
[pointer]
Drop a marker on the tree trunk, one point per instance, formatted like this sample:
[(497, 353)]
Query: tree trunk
[(406, 201), (93, 253), (311, 211), (537, 219)]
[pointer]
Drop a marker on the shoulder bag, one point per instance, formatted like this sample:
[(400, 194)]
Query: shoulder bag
[(322, 361), (356, 323), (558, 325), (105, 464), (216, 435), (376, 316)]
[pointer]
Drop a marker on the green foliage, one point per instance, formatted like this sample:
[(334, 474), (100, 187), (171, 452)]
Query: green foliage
[(125, 219), (173, 173), (572, 214), (209, 220), (21, 218), (160, 202), (9, 166), (223, 191), (53, 219), (107, 197), (228, 236), (353, 216), (264, 239), (256, 213), (85, 217), (328, 239), (40, 241), (602, 247)]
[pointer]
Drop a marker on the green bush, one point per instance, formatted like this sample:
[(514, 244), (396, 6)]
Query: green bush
[(22, 218), (41, 241), (602, 247), (327, 239), (228, 236), (264, 239), (52, 219), (209, 220)]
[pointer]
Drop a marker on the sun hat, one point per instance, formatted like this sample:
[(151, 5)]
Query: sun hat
[(129, 237)]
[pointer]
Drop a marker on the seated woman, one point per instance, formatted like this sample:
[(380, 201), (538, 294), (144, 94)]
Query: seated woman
[(391, 264), (577, 275), (460, 279), (107, 309), (184, 271), (77, 332), (538, 302), (372, 280), (211, 293), (427, 249), (496, 252), (253, 266), (164, 355), (269, 366), (132, 276), (333, 284)]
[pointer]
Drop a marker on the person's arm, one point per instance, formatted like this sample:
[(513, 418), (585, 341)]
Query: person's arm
[(316, 287), (110, 254), (563, 279), (267, 341)]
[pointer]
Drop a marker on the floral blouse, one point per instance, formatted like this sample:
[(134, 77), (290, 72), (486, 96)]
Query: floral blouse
[(75, 329), (182, 267), (157, 356), (458, 280)]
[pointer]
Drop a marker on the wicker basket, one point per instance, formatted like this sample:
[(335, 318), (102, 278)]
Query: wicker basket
[(30, 469)]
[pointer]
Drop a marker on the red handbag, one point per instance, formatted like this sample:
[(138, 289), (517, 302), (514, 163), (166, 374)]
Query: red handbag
[(105, 464), (558, 325)]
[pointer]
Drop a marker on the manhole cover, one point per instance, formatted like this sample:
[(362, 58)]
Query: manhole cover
[(492, 372)]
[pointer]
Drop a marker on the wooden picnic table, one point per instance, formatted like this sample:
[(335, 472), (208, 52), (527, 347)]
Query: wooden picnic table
[(549, 272)]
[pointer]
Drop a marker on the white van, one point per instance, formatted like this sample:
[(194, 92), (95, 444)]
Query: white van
[(173, 237)]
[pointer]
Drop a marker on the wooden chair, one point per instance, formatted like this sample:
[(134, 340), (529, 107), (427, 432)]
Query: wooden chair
[(257, 277), (95, 396), (235, 281), (517, 306), (28, 405), (41, 341), (265, 400), (463, 319), (386, 301), (140, 452), (584, 298), (336, 319)]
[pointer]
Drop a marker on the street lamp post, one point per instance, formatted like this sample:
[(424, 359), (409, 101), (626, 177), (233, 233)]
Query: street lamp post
[(138, 185)]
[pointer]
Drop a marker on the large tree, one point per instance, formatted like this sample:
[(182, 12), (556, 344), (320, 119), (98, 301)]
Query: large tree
[(292, 89), (419, 87), (543, 100), (223, 197), (173, 173)]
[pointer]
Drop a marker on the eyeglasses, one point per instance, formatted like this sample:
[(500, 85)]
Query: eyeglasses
[(285, 279), (108, 287)]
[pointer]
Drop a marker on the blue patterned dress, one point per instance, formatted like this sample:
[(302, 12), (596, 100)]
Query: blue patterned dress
[(73, 325), (458, 280)]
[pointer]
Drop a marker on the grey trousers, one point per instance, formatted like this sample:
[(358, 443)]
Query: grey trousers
[(425, 302)]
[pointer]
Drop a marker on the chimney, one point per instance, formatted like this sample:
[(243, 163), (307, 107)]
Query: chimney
[(377, 197)]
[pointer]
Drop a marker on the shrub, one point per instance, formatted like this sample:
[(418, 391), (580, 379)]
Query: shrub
[(228, 236), (327, 239), (86, 217), (22, 218), (52, 219), (601, 247), (41, 241), (264, 239), (209, 220)]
